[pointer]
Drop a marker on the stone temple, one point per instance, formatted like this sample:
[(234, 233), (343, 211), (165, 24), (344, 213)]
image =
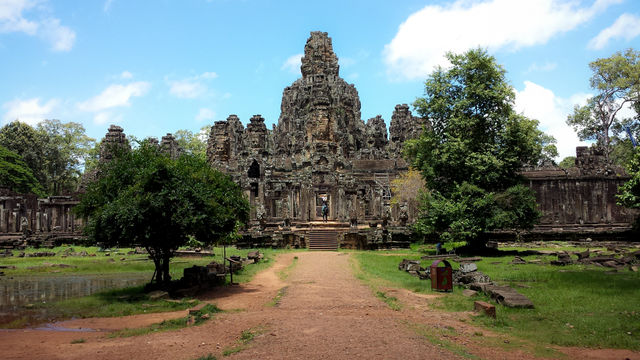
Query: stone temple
[(320, 148)]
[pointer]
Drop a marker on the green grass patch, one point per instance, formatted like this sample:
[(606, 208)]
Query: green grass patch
[(78, 341), (575, 305), (438, 336), (114, 263), (197, 318), (284, 273), (278, 297), (245, 338), (206, 357), (392, 302)]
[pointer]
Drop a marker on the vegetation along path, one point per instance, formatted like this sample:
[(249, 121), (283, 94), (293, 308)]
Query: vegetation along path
[(308, 305)]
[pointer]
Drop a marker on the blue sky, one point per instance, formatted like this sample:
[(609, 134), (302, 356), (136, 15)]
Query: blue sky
[(154, 67)]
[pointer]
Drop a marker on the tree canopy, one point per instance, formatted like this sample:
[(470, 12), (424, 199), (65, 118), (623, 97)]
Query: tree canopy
[(193, 143), (472, 150), (144, 197), (629, 193), (16, 175), (54, 151), (616, 80)]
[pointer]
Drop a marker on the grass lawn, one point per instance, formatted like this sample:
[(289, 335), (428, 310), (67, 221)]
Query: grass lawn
[(119, 302), (575, 305)]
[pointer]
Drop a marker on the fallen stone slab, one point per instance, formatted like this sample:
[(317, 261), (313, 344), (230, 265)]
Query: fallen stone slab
[(469, 259), (508, 297), (517, 260)]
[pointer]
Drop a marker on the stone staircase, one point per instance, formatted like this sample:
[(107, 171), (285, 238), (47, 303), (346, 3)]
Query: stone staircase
[(322, 240)]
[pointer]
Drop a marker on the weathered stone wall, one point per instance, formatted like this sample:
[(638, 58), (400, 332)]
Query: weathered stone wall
[(581, 198), (26, 215)]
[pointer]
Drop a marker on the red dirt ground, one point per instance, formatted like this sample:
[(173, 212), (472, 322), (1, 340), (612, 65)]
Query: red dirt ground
[(325, 312)]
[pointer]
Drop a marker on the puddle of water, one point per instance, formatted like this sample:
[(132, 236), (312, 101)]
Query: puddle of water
[(18, 291), (56, 327)]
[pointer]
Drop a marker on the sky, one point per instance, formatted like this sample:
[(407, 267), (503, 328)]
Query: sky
[(154, 67)]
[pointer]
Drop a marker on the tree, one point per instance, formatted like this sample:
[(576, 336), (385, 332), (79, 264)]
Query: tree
[(471, 153), (144, 197), (629, 193), (54, 151), (23, 139), (193, 143), (16, 175), (65, 150), (568, 162), (616, 81)]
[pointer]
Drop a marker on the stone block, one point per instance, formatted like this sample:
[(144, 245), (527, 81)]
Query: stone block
[(485, 308)]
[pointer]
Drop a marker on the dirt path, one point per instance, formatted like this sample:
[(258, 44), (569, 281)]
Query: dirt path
[(324, 312)]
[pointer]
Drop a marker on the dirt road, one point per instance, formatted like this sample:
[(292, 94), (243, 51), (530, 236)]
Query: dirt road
[(323, 312)]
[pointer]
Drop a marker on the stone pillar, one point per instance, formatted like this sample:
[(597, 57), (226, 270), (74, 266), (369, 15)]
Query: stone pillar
[(38, 221), (14, 223), (4, 215)]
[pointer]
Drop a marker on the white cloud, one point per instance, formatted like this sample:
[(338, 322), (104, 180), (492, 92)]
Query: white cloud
[(114, 96), (205, 114), (187, 89), (49, 28), (29, 111), (60, 37), (11, 19), (537, 102), (208, 75), (423, 39), (292, 64), (126, 75), (102, 118), (191, 87), (627, 27)]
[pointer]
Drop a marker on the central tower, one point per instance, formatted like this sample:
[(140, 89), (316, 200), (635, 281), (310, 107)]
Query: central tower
[(320, 112)]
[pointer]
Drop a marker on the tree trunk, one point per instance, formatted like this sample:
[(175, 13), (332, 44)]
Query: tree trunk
[(165, 267)]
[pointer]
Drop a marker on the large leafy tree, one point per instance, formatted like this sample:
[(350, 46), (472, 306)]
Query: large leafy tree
[(16, 175), (616, 80), (65, 151), (54, 151), (23, 139), (144, 197), (472, 151)]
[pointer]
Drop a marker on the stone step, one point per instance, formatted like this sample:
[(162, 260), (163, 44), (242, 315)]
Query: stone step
[(322, 240)]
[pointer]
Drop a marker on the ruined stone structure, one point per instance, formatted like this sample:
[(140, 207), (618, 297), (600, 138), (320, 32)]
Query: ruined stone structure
[(320, 148), (27, 219), (580, 202)]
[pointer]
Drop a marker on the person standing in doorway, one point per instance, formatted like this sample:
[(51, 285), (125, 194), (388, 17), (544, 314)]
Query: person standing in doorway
[(325, 209)]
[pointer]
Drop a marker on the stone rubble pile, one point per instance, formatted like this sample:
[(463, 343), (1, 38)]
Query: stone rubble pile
[(621, 260), (469, 277)]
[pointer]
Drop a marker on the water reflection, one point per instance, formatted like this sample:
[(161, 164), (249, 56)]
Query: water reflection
[(19, 291)]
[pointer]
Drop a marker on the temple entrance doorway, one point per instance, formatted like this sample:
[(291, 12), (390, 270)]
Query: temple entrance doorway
[(320, 198)]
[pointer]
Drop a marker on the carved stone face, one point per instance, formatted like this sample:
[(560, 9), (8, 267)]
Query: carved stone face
[(222, 148), (256, 140)]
